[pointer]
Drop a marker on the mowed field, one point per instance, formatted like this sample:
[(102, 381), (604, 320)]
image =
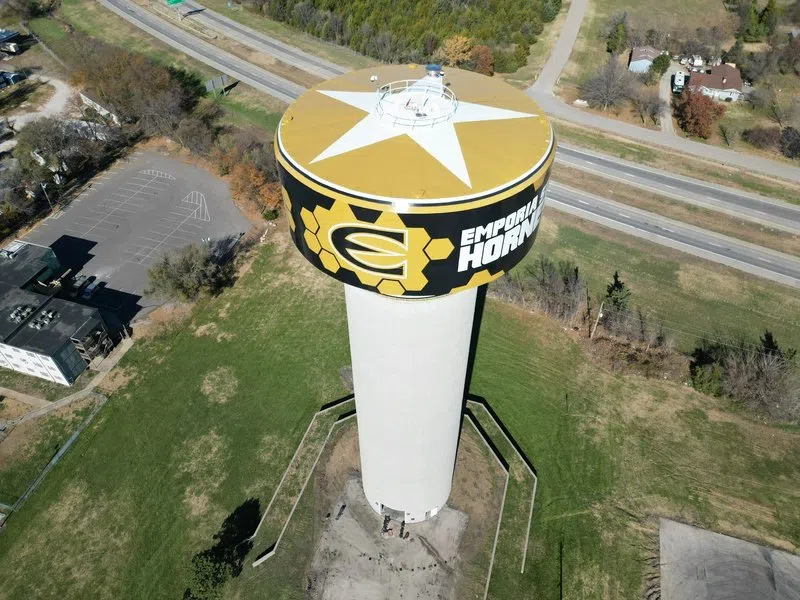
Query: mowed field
[(210, 410)]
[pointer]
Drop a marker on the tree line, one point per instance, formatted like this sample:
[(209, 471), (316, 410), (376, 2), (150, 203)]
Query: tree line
[(413, 30), (761, 376)]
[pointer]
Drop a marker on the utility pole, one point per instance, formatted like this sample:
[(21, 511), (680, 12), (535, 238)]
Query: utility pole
[(44, 189), (597, 320)]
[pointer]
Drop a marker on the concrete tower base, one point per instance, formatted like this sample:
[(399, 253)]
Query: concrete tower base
[(409, 364)]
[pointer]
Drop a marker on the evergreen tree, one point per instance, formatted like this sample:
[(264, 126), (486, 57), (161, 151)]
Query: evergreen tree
[(751, 29), (618, 39), (769, 18), (618, 294)]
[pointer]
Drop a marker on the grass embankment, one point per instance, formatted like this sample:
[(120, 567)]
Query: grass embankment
[(693, 297), (339, 55), (31, 445), (41, 388), (689, 166), (712, 220), (215, 408), (244, 106)]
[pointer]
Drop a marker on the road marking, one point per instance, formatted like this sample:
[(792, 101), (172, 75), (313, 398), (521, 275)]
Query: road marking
[(713, 244), (583, 202), (624, 216), (114, 210)]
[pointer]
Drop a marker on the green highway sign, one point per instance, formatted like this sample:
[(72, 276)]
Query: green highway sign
[(173, 2)]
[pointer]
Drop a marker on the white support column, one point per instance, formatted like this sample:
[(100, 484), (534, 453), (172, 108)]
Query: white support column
[(409, 364)]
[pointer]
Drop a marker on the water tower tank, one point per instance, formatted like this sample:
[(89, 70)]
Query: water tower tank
[(413, 190)]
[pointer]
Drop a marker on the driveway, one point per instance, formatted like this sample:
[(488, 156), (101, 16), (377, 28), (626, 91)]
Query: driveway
[(665, 93), (55, 106)]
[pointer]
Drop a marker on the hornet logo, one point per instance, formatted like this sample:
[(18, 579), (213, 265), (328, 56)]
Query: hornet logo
[(372, 249)]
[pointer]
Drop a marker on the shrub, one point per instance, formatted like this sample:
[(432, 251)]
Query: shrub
[(766, 138), (186, 273), (790, 142)]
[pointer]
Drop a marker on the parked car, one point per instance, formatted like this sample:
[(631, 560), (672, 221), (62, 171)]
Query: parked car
[(79, 282), (90, 289), (13, 77)]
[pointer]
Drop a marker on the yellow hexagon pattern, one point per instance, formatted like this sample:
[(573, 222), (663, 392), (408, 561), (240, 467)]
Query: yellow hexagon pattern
[(439, 249), (318, 238)]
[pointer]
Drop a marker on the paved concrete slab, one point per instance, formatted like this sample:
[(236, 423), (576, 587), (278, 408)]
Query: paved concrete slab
[(697, 564), (355, 561), (134, 212)]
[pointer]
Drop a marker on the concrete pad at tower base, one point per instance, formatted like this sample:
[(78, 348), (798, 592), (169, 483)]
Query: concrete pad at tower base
[(697, 564), (354, 560)]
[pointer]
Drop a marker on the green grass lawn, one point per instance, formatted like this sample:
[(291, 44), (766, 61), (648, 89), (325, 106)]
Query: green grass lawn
[(168, 458)]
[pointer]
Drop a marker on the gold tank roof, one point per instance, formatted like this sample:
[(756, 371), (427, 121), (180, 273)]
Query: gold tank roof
[(421, 138)]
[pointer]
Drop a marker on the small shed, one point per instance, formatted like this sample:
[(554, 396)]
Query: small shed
[(642, 58)]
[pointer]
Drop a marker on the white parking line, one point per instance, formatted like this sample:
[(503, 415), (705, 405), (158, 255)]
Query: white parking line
[(131, 198)]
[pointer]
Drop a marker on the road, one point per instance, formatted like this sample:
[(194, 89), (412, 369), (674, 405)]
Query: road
[(665, 93), (771, 213), (261, 79), (260, 42), (542, 92), (721, 249), (718, 248)]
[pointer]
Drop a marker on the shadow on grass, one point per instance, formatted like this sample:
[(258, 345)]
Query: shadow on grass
[(211, 568)]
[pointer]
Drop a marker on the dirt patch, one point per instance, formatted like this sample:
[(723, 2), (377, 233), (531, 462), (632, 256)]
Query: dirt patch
[(23, 438), (203, 465), (621, 357), (11, 408), (206, 330), (477, 492), (298, 271), (117, 378), (223, 312), (162, 320), (212, 329), (741, 530), (220, 385), (266, 451)]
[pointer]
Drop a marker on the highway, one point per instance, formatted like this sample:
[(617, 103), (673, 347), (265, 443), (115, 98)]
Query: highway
[(771, 213), (700, 242), (260, 42), (263, 80), (722, 249)]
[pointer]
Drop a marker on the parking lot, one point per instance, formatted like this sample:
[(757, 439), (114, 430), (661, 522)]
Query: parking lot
[(131, 214)]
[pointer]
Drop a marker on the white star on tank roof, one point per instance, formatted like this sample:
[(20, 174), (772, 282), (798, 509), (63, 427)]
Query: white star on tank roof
[(424, 110)]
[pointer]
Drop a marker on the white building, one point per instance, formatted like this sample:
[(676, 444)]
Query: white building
[(40, 334)]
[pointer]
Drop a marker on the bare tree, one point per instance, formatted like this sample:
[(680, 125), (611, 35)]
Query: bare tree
[(648, 104), (781, 110), (729, 133), (610, 87)]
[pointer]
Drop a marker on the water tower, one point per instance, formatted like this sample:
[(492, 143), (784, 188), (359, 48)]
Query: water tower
[(413, 187)]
